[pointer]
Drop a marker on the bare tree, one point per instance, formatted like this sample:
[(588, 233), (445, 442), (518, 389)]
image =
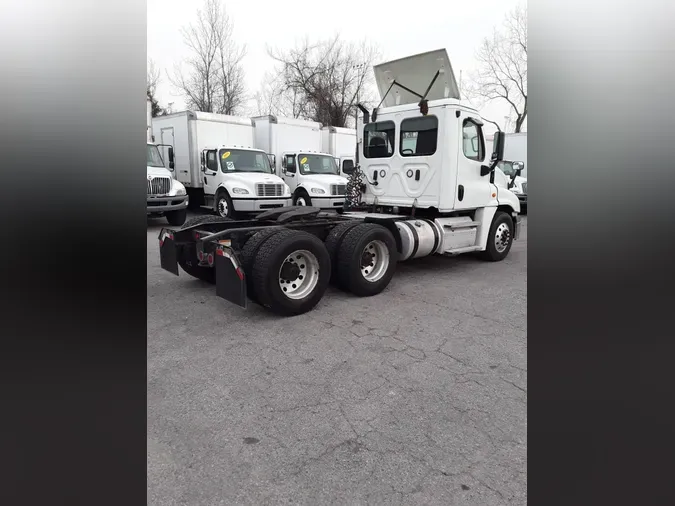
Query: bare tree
[(275, 98), (322, 81), (214, 79), (153, 79), (502, 73)]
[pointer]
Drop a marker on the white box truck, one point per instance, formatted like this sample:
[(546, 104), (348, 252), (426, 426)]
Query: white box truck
[(166, 196), (217, 162), (341, 143), (434, 196), (312, 175)]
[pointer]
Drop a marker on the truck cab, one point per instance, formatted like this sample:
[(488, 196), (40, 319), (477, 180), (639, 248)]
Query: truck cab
[(166, 196), (314, 179), (427, 151), (241, 180)]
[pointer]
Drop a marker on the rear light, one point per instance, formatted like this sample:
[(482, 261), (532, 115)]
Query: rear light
[(210, 259), (200, 255), (220, 252), (166, 235), (197, 235), (240, 273)]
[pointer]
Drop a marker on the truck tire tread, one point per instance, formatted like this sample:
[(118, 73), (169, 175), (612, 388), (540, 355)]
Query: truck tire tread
[(248, 254), (333, 242)]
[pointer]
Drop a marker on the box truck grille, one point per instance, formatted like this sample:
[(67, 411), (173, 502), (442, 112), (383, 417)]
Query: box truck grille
[(159, 186), (338, 189), (269, 190), (524, 187)]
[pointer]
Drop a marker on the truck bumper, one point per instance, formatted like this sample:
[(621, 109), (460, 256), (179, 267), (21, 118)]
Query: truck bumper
[(165, 204), (327, 202), (259, 204)]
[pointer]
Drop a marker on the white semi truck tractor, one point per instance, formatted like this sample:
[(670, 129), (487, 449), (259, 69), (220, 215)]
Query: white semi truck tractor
[(428, 189), (165, 196)]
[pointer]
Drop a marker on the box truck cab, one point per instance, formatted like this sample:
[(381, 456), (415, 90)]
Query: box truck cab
[(218, 164), (508, 175), (314, 179), (294, 146), (424, 152), (241, 180)]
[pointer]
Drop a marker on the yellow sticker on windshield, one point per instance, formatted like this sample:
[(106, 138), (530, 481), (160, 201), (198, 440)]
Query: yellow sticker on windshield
[(226, 154), (304, 159)]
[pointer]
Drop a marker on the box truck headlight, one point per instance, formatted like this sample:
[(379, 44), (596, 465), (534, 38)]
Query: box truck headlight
[(240, 191), (318, 191), (287, 189), (178, 188)]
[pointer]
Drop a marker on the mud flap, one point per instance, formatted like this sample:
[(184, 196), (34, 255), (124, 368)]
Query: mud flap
[(230, 278), (516, 227), (168, 254)]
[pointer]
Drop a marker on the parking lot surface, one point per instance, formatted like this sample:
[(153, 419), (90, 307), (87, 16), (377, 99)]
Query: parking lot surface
[(414, 396)]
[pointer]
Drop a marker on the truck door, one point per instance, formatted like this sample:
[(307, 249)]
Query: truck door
[(210, 171), (167, 138), (472, 189), (289, 170)]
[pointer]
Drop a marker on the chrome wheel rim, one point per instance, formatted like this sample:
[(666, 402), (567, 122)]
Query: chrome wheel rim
[(223, 208), (300, 201), (502, 237), (374, 261), (299, 274)]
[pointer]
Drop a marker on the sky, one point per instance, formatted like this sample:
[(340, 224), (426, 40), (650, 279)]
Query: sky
[(398, 28)]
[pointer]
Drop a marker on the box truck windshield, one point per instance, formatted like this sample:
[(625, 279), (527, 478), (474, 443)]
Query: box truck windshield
[(238, 160), (154, 158), (317, 164)]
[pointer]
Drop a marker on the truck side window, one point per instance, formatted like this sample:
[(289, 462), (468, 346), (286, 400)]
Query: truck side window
[(211, 161), (379, 139), (419, 136), (290, 163), (473, 143)]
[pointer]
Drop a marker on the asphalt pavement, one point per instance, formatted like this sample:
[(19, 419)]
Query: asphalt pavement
[(414, 396)]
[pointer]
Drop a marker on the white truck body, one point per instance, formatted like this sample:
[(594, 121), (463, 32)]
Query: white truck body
[(341, 143), (193, 134), (314, 181), (440, 165)]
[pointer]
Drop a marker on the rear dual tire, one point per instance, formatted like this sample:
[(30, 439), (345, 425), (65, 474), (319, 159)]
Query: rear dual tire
[(291, 272), (365, 259)]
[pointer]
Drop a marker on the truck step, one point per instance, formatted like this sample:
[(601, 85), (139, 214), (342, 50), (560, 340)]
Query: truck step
[(463, 224)]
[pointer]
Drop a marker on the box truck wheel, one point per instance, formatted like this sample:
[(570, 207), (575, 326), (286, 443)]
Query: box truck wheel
[(176, 218), (248, 254), (291, 272), (224, 206), (187, 256), (500, 238), (333, 242), (301, 198), (366, 259)]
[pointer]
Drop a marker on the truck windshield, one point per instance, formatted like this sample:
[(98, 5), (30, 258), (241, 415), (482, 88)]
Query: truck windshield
[(154, 158), (317, 164), (241, 160)]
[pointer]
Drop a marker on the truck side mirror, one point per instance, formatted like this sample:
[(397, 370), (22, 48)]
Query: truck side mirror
[(498, 150), (348, 166), (203, 160), (290, 165), (518, 167), (273, 160)]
